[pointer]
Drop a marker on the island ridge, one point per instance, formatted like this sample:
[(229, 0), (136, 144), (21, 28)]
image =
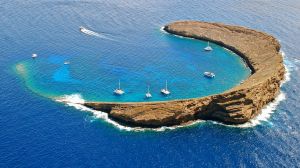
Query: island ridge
[(260, 51)]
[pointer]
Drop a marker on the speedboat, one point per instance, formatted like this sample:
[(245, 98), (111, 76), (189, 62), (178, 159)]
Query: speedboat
[(119, 91), (87, 31), (82, 29), (208, 48), (165, 90), (148, 94), (34, 56), (209, 74)]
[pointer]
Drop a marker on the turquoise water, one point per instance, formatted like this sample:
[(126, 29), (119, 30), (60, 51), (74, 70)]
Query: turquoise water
[(39, 132), (136, 64)]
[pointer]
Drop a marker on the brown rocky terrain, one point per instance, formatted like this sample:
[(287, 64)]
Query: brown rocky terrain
[(235, 106)]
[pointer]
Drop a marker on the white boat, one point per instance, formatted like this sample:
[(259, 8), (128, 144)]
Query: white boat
[(88, 32), (34, 56), (208, 48), (83, 29), (66, 62), (119, 91), (209, 74), (165, 91), (148, 94)]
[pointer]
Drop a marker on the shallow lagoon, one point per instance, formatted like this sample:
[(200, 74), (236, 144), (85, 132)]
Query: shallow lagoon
[(180, 61)]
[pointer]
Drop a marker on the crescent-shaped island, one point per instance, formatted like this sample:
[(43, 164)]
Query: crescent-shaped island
[(260, 51)]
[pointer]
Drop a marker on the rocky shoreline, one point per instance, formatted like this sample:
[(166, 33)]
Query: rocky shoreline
[(235, 106)]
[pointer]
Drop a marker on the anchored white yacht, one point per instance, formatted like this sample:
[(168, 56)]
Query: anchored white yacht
[(209, 74), (208, 48), (67, 62), (34, 56), (148, 94), (119, 91), (165, 91)]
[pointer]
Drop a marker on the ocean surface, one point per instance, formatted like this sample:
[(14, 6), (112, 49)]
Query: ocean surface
[(137, 57), (126, 43)]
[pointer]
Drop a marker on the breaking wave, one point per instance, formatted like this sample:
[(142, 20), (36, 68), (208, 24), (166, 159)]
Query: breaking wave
[(264, 116), (76, 101), (269, 109), (162, 29)]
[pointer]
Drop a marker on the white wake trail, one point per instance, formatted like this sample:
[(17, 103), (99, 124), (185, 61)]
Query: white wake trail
[(93, 33)]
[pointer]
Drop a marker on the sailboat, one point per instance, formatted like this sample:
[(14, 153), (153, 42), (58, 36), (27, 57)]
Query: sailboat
[(209, 74), (148, 94), (119, 91), (208, 48), (34, 56), (165, 91)]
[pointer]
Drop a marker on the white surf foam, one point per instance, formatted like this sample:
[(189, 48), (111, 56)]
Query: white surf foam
[(162, 29), (264, 116), (76, 101), (288, 68), (73, 98), (269, 109)]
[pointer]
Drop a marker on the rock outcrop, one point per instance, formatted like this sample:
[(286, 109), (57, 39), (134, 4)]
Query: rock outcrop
[(235, 106)]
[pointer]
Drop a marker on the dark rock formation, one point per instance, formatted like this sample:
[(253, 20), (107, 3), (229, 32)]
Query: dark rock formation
[(235, 106)]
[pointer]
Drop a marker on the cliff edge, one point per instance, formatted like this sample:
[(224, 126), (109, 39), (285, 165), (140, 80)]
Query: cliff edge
[(235, 106)]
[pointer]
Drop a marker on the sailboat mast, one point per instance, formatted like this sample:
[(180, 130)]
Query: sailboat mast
[(166, 85), (148, 89), (119, 84)]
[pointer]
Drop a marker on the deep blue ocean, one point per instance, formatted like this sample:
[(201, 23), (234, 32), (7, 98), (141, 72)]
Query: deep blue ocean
[(128, 45)]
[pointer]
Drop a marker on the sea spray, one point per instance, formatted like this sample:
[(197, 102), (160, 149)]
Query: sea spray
[(73, 98), (269, 109), (264, 116), (76, 101), (162, 29)]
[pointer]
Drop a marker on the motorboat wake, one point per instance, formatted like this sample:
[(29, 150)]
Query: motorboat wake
[(93, 33)]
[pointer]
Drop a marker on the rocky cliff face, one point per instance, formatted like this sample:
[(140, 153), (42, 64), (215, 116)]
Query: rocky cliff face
[(238, 105)]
